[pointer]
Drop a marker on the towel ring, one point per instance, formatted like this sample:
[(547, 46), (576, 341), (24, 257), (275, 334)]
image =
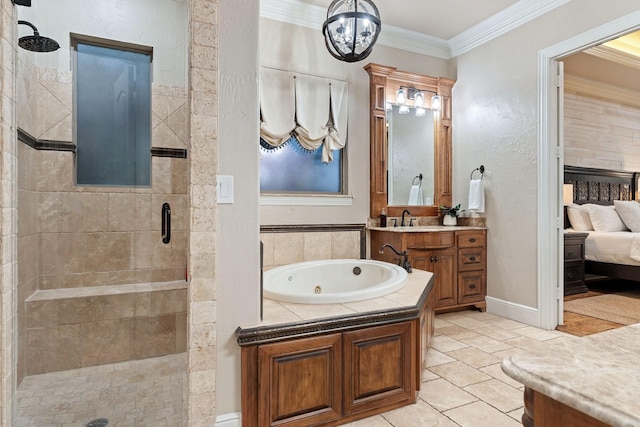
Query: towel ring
[(481, 169), (419, 177)]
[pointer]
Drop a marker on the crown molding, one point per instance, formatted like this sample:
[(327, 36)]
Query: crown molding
[(615, 55), (600, 90), (311, 16), (502, 22)]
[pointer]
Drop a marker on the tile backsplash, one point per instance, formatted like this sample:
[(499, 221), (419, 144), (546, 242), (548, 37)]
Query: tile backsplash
[(290, 244)]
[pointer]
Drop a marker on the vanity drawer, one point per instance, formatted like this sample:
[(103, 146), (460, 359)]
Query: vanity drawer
[(471, 286), (573, 272), (430, 240), (471, 259), (471, 239)]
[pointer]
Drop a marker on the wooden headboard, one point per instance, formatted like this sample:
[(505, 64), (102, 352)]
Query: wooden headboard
[(601, 186)]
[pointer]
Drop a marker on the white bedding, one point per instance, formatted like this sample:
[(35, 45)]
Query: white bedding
[(617, 247)]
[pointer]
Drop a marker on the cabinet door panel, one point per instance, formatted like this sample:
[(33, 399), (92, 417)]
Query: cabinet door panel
[(302, 381), (444, 269), (379, 366)]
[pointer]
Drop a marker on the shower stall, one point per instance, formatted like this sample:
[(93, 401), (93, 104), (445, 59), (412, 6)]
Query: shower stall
[(101, 276)]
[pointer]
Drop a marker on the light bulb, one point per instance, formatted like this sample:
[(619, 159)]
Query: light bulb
[(420, 112), (401, 98), (418, 100), (436, 102), (404, 109)]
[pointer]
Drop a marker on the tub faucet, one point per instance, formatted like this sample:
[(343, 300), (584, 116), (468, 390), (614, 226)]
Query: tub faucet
[(404, 212), (403, 261)]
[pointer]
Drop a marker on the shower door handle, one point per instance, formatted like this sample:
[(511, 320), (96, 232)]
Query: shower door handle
[(166, 223)]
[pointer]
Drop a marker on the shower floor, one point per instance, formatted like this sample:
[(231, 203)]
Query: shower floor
[(138, 393)]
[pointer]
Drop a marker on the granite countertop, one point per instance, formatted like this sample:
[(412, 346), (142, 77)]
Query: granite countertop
[(429, 228), (283, 315), (597, 374)]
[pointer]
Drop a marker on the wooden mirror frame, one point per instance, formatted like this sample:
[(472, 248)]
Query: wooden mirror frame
[(384, 82)]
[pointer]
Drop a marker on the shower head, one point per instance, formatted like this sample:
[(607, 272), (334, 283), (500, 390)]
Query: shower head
[(36, 42)]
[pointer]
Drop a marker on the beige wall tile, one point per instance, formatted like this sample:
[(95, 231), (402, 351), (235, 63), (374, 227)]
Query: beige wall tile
[(168, 302), (153, 336), (179, 176), (79, 310), (181, 332), (85, 212), (288, 248), (267, 240), (129, 212), (345, 244), (103, 342), (317, 246), (125, 305), (149, 251), (52, 349)]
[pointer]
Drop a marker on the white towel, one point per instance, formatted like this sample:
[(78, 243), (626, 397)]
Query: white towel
[(476, 195), (415, 195)]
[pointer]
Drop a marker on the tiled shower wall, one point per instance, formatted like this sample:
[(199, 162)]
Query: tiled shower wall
[(291, 244), (79, 237)]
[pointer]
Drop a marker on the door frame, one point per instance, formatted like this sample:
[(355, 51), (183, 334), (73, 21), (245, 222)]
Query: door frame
[(550, 181)]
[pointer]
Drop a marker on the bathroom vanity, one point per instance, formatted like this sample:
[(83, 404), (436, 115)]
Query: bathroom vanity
[(591, 381), (457, 255), (330, 364)]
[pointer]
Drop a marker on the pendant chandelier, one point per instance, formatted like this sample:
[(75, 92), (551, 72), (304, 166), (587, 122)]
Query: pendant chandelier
[(351, 29)]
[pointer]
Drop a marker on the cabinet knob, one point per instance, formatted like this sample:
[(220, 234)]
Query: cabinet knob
[(570, 275), (472, 240), (472, 286), (472, 258), (571, 253)]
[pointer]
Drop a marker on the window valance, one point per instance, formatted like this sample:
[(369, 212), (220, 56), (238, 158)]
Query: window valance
[(314, 109)]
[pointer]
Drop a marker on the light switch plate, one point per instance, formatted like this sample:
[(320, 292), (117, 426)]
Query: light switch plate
[(225, 189)]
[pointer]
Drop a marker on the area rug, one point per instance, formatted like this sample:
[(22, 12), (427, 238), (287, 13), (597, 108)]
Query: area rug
[(622, 307)]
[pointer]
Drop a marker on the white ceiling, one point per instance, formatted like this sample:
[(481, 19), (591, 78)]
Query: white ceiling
[(437, 18)]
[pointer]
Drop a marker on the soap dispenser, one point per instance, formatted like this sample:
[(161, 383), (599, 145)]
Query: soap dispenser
[(383, 218)]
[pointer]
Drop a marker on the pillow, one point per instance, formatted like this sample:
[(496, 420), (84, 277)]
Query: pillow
[(629, 212), (605, 218), (579, 218)]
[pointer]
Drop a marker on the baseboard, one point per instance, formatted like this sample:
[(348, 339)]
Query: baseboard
[(510, 310), (229, 420)]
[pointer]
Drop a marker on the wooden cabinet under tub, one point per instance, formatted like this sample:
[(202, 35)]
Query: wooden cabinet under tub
[(335, 370), (456, 255)]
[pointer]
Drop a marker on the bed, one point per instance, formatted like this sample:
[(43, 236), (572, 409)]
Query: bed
[(605, 206)]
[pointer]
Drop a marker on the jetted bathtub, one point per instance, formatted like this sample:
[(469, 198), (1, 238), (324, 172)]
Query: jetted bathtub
[(333, 281)]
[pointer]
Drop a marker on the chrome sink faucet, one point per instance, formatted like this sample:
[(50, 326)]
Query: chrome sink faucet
[(403, 261), (406, 211)]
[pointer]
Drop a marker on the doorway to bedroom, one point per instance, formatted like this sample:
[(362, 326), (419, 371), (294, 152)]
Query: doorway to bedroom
[(600, 124)]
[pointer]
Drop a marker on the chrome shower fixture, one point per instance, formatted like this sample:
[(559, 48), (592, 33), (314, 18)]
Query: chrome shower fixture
[(36, 42)]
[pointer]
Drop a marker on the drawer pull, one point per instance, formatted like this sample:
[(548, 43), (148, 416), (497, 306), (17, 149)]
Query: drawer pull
[(570, 275), (472, 286), (472, 258), (570, 253), (472, 240)]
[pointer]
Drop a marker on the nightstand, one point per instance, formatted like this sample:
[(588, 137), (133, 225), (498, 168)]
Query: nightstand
[(574, 263)]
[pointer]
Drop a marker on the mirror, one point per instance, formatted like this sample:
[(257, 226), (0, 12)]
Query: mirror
[(410, 153), (390, 186)]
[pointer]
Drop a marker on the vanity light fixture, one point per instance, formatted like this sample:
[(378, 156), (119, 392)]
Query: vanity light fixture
[(417, 95), (351, 29)]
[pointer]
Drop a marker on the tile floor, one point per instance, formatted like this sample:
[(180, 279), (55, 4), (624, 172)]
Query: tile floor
[(463, 384)]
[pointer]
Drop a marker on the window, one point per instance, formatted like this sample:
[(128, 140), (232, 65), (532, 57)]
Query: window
[(291, 168), (303, 130), (112, 115)]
